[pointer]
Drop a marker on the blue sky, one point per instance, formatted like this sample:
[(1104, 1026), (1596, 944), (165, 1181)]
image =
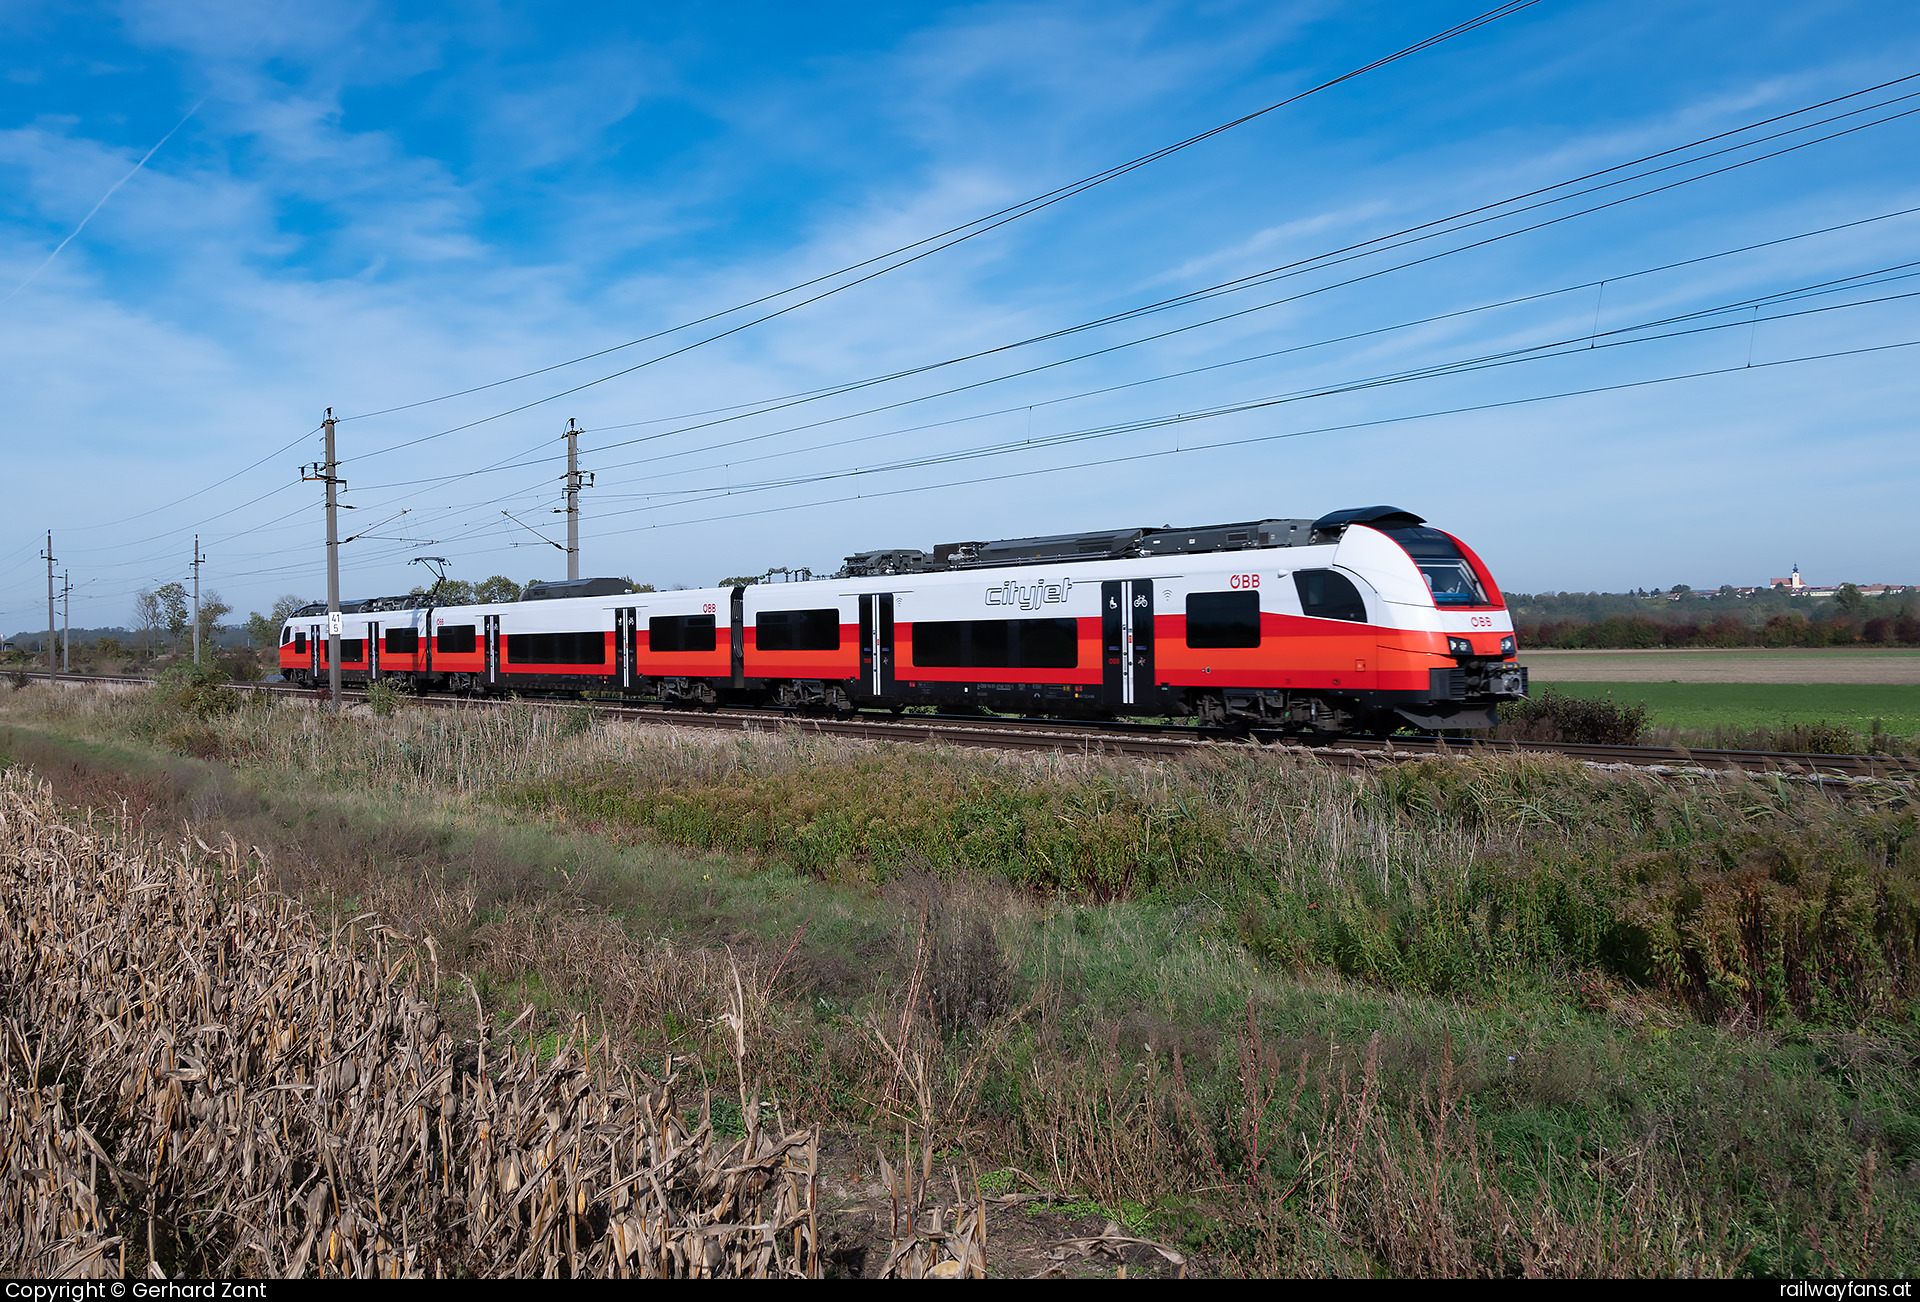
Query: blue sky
[(373, 205)]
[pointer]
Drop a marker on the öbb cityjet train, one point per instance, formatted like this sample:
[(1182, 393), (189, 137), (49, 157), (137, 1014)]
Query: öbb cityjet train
[(1360, 621)]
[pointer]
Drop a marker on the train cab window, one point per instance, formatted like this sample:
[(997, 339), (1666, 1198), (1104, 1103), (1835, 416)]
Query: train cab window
[(557, 648), (457, 639), (299, 644), (1449, 578), (1223, 619), (1328, 594), (680, 633), (997, 644), (797, 630), (403, 641), (286, 636)]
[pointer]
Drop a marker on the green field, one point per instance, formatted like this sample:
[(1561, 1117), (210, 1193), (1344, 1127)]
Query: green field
[(1746, 706)]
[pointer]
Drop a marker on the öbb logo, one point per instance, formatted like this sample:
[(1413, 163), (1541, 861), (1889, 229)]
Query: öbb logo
[(1029, 596)]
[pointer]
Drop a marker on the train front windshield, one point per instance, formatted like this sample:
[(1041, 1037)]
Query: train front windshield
[(1449, 577)]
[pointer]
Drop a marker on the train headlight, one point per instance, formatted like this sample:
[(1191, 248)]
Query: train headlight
[(1459, 646), (1506, 645)]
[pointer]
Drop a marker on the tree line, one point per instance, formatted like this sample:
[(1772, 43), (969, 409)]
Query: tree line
[(1628, 622)]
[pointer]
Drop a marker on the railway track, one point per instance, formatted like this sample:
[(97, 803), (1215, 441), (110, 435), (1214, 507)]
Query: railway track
[(1165, 741)]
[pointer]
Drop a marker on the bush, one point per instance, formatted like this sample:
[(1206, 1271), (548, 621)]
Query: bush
[(1549, 716), (1821, 738), (382, 698), (958, 972), (198, 690), (241, 666)]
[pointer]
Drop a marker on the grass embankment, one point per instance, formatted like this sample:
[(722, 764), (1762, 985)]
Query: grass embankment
[(1453, 1017), (1726, 713)]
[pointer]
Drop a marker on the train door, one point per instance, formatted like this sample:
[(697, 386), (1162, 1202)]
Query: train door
[(314, 644), (1126, 640), (373, 651), (876, 643), (626, 623), (493, 649), (737, 658)]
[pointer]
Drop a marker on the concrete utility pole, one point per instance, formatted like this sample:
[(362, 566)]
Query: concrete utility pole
[(198, 560), (575, 482), (66, 620), (48, 553), (325, 472)]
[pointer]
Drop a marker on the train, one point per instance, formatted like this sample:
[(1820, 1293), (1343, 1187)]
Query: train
[(1365, 620)]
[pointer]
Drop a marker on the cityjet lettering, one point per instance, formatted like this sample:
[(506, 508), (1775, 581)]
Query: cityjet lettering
[(1029, 596)]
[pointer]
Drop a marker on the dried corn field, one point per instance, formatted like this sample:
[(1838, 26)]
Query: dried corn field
[(198, 1080)]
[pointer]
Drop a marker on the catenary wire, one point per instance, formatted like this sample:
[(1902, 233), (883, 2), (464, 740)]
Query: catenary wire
[(1253, 279), (991, 221)]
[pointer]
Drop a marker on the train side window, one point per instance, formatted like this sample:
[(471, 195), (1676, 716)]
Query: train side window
[(997, 644), (457, 639), (797, 630), (1223, 619), (1328, 594), (300, 644), (403, 641), (1046, 643), (941, 645), (680, 633), (352, 650), (557, 648)]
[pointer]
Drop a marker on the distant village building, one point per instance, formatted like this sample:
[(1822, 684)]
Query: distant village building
[(1797, 586)]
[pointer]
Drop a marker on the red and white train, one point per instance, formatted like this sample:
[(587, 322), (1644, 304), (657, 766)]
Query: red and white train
[(1362, 620)]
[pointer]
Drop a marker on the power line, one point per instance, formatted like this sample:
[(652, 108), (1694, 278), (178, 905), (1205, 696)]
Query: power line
[(1436, 371), (1456, 366), (1317, 261), (1422, 372), (1459, 366), (979, 225), (1589, 284), (280, 451), (1349, 253), (1270, 438)]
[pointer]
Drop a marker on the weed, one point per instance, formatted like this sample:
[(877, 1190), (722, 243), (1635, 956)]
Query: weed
[(383, 698), (1549, 715)]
